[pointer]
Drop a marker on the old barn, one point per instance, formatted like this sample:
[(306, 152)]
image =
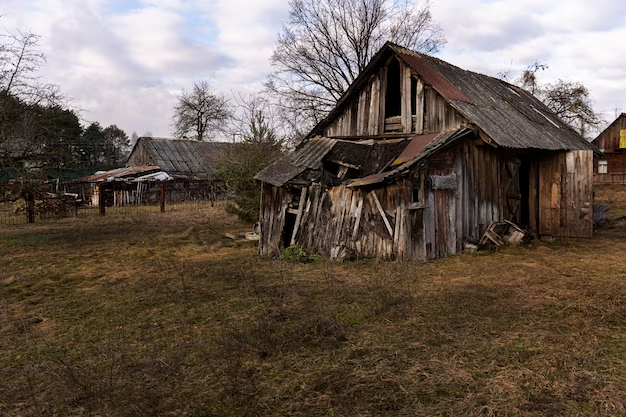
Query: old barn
[(418, 158), (183, 169), (610, 168)]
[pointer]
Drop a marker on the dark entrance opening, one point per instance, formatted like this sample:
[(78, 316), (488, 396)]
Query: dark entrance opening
[(524, 185), (290, 224)]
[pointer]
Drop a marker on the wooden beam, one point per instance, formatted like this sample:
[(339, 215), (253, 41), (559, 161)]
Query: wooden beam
[(359, 209), (407, 119), (299, 215), (373, 196), (419, 93)]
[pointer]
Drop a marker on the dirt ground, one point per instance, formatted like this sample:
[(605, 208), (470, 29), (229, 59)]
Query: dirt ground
[(163, 314)]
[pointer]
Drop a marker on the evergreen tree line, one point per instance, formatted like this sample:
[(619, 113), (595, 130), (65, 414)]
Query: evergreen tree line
[(50, 140)]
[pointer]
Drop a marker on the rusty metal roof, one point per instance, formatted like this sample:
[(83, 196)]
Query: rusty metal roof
[(433, 77), (509, 115), (415, 148), (119, 174)]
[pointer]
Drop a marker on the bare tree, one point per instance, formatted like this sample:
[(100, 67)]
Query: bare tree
[(326, 43), (200, 112)]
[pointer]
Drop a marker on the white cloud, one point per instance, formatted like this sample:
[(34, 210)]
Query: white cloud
[(124, 61)]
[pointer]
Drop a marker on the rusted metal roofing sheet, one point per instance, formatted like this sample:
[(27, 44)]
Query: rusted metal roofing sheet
[(415, 148), (433, 77), (307, 156), (509, 115), (119, 173), (186, 158)]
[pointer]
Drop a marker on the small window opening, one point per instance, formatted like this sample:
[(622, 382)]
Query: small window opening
[(415, 190), (622, 139), (603, 167), (393, 98)]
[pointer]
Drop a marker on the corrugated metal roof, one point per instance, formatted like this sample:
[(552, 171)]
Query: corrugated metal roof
[(308, 155), (433, 77), (185, 158), (119, 173), (415, 148), (509, 115), (311, 154)]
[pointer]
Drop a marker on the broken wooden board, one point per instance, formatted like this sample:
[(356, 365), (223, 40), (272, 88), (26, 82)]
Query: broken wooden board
[(502, 233)]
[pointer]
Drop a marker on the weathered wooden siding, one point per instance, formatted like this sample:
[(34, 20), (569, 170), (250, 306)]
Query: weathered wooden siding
[(565, 188), (364, 115), (482, 196), (140, 156), (274, 202), (608, 141)]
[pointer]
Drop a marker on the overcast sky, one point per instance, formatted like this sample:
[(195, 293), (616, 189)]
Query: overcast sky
[(124, 61)]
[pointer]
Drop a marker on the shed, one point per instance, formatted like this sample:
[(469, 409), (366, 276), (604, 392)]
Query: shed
[(188, 159), (183, 169), (610, 168), (418, 158)]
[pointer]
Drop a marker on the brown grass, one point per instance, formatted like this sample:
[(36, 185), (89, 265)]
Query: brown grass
[(161, 314)]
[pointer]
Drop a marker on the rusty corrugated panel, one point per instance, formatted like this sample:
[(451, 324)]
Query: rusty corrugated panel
[(435, 78), (415, 148)]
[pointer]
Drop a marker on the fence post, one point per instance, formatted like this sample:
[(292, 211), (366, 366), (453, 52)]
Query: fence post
[(162, 187), (101, 202)]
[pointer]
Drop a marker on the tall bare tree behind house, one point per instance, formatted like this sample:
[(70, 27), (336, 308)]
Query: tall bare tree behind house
[(325, 44), (200, 113)]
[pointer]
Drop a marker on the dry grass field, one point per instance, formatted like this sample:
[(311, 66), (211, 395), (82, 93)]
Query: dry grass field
[(160, 314)]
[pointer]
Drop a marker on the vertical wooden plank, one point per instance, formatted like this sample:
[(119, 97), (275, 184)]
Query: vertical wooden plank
[(374, 108), (407, 119), (419, 93), (381, 103), (460, 198)]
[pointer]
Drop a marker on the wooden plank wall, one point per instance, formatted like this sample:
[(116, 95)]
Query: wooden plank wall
[(340, 221), (482, 197), (274, 202), (140, 156), (616, 164), (566, 194), (364, 115), (609, 139)]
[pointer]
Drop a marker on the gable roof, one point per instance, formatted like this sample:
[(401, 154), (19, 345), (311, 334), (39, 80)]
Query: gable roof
[(618, 119), (510, 116), (183, 158)]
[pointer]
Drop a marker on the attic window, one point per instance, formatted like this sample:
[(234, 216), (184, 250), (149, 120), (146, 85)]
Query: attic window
[(622, 139), (393, 105)]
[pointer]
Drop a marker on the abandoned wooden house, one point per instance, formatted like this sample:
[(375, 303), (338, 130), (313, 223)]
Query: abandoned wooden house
[(418, 158), (185, 167), (610, 168)]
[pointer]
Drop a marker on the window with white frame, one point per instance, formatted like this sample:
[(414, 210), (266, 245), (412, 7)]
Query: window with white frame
[(603, 167)]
